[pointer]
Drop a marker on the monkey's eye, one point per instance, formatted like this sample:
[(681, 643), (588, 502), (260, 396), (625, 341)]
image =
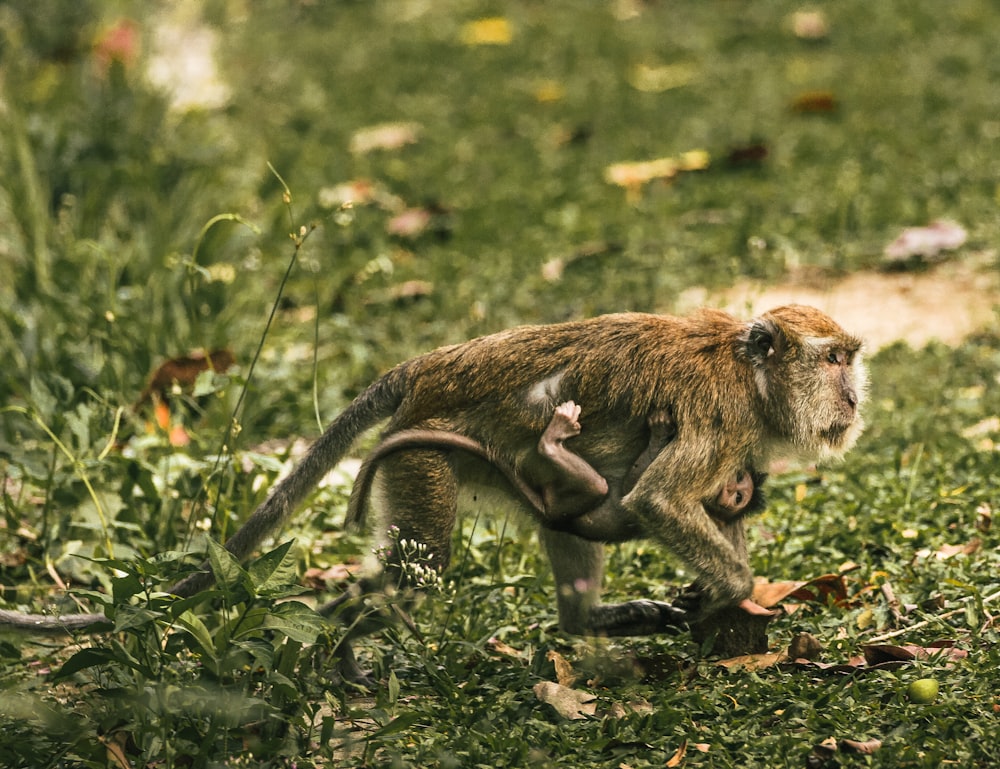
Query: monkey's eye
[(835, 358), (739, 498)]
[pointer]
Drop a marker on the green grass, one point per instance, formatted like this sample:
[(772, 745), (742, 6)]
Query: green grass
[(131, 233)]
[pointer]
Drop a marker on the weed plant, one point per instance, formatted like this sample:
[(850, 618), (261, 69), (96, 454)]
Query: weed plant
[(133, 231)]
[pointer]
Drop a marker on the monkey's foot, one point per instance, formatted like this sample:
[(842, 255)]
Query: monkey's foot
[(636, 618), (565, 422), (662, 430)]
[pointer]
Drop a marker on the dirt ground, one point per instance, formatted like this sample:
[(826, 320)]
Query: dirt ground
[(947, 302)]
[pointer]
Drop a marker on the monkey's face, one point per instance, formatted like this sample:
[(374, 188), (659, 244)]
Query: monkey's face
[(812, 376)]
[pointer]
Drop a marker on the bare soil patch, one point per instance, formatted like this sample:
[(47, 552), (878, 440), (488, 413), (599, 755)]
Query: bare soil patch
[(947, 302)]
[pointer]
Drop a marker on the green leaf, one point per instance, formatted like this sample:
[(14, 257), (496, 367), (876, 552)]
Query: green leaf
[(123, 588), (229, 575), (88, 658), (199, 632), (296, 621), (274, 570), (396, 725), (130, 617)]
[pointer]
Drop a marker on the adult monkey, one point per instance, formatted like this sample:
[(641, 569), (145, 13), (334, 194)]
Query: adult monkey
[(741, 393)]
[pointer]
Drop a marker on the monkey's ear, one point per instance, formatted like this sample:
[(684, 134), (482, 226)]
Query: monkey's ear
[(764, 340)]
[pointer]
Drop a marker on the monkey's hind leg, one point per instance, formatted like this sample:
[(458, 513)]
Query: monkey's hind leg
[(570, 485), (419, 494), (578, 567)]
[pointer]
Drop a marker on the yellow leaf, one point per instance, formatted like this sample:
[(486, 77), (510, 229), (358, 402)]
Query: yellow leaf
[(490, 31), (694, 160), (549, 91), (654, 79)]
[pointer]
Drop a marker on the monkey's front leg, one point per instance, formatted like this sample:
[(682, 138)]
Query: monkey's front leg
[(578, 567)]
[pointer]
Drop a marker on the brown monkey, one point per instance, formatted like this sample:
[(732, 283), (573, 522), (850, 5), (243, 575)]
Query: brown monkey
[(787, 382)]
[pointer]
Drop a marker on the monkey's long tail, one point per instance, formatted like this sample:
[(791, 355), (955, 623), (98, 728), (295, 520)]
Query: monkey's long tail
[(378, 402), (429, 439)]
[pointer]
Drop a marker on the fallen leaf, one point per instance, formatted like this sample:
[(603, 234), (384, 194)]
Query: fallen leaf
[(502, 648), (853, 746), (751, 662), (659, 78), (804, 646), (926, 242), (632, 176), (565, 674), (985, 427), (491, 31), (984, 517), (183, 371), (384, 136), (879, 654), (336, 574), (815, 102), (358, 192), (678, 756), (770, 594), (810, 25), (549, 91), (409, 223), (569, 703), (945, 552)]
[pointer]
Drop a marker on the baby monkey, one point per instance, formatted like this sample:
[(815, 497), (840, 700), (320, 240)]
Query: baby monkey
[(569, 484), (567, 493)]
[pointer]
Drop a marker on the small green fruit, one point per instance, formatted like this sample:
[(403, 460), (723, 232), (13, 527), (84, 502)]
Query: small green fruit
[(923, 691)]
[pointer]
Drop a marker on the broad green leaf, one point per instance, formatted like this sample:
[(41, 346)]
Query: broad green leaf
[(227, 570), (123, 588), (273, 570), (296, 621), (128, 617), (199, 632)]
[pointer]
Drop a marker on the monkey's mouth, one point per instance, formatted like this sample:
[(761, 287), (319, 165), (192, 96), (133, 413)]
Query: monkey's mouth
[(835, 433)]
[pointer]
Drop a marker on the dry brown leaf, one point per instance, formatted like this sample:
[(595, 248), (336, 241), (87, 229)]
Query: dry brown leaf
[(810, 25), (502, 648), (569, 703), (751, 662), (815, 102), (335, 574), (384, 136), (805, 646), (678, 756), (182, 371), (950, 551), (770, 594), (853, 746), (565, 674), (926, 242), (409, 223)]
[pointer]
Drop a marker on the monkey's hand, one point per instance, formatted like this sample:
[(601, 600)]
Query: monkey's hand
[(694, 600)]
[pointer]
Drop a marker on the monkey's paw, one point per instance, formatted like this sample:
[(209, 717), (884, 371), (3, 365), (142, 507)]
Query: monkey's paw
[(640, 617), (566, 420)]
